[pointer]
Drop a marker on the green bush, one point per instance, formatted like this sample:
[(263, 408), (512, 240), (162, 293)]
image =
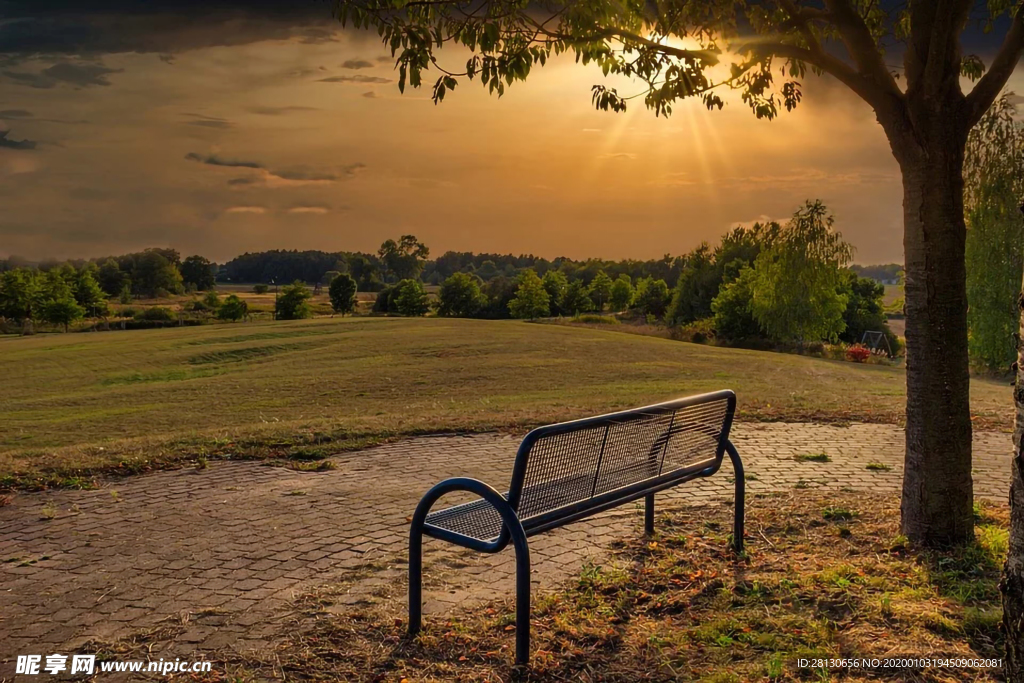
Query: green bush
[(698, 332), (595, 319), (211, 300), (733, 318), (652, 297), (460, 296), (384, 303), (410, 299), (342, 292), (233, 308), (156, 314), (531, 300), (293, 304), (622, 293), (576, 299), (499, 293), (260, 289)]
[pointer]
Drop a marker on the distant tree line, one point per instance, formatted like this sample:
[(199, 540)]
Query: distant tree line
[(784, 283), (312, 267), (888, 273), (767, 281), (59, 296)]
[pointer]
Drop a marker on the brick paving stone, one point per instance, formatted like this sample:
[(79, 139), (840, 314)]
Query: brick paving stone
[(233, 537)]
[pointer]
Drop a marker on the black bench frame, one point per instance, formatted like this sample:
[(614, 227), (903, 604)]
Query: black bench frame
[(513, 531)]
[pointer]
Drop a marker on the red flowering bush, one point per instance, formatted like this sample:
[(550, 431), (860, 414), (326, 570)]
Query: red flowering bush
[(858, 353)]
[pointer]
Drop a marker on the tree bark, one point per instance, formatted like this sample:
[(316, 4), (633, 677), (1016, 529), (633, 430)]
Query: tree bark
[(1013, 571), (938, 492)]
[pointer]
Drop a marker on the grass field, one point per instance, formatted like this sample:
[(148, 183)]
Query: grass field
[(76, 404)]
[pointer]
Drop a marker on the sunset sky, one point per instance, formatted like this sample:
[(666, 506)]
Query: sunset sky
[(223, 131)]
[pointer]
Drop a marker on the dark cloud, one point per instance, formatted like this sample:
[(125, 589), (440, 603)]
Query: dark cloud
[(208, 121), (31, 80), (279, 111), (167, 59), (214, 160), (301, 175), (355, 79), (23, 115), (81, 75), (307, 175), (309, 71), (15, 144), (1013, 98), (370, 95), (313, 36), (71, 27), (356, 64)]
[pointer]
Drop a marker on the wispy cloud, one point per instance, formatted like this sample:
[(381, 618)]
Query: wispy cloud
[(309, 210), (214, 160), (279, 111), (25, 115), (356, 64), (358, 78), (245, 209), (278, 177), (208, 121)]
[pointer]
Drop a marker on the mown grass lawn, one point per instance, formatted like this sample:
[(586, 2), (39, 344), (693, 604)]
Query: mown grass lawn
[(74, 404)]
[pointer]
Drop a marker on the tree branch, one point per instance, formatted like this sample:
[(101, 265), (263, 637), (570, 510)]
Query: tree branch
[(987, 89), (801, 17), (861, 45), (709, 57), (843, 72)]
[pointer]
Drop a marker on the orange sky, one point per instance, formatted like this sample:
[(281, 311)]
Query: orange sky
[(133, 155)]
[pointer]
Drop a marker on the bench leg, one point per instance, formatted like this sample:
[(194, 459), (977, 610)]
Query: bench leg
[(518, 537), (415, 579), (737, 525), (522, 597), (649, 514)]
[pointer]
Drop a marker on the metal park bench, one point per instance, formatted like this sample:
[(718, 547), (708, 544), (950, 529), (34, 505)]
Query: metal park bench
[(568, 471)]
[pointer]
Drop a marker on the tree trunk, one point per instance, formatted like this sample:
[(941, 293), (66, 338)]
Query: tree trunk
[(938, 493), (1013, 571)]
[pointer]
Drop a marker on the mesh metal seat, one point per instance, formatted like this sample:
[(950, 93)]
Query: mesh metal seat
[(477, 519), (568, 471)]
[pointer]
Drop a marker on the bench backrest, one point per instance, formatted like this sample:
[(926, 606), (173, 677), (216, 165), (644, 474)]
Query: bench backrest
[(565, 471)]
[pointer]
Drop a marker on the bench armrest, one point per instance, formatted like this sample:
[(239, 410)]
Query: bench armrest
[(511, 525)]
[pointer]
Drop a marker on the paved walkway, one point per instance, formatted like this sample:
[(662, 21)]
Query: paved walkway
[(223, 550)]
